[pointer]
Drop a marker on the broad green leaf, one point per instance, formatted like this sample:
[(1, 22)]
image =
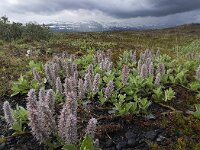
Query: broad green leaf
[(87, 143)]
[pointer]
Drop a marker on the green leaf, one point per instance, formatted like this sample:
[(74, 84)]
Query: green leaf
[(35, 84), (128, 106), (194, 85), (197, 107), (15, 93), (144, 104), (17, 126), (122, 98), (169, 94), (118, 106), (158, 94), (69, 147), (134, 107), (87, 143), (20, 86)]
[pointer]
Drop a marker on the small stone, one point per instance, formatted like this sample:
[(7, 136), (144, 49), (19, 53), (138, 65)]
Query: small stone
[(2, 146), (150, 117), (121, 145), (151, 135), (160, 138), (130, 135), (112, 111), (132, 142)]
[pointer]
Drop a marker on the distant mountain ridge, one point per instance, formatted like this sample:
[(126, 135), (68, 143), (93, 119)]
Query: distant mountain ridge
[(93, 26)]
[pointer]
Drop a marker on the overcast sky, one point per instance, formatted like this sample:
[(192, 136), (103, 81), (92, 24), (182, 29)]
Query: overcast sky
[(127, 11)]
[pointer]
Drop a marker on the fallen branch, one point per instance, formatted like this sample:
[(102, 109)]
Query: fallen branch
[(167, 106), (178, 111)]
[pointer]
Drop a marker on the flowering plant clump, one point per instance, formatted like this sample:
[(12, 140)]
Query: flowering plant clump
[(41, 114), (130, 86)]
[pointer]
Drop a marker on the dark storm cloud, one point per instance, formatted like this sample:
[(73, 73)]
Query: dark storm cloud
[(159, 8), (114, 8)]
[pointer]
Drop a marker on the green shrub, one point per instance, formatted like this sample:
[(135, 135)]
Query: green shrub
[(31, 31)]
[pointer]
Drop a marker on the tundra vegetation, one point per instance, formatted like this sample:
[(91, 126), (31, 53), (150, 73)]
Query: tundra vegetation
[(103, 90)]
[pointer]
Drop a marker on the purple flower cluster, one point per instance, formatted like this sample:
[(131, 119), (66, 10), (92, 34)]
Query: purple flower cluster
[(145, 64), (71, 85), (144, 71), (157, 79), (51, 71), (147, 54), (36, 75), (109, 89), (41, 108), (104, 62), (59, 88), (59, 61), (49, 100), (125, 73), (67, 124), (87, 83), (34, 117), (100, 56), (90, 71), (151, 69), (81, 90), (161, 68), (41, 115), (8, 113), (91, 127), (69, 68), (95, 86)]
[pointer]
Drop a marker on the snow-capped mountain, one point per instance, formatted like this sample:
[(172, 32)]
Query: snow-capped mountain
[(93, 26)]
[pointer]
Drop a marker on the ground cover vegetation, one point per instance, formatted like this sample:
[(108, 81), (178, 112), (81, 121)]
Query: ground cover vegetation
[(104, 90)]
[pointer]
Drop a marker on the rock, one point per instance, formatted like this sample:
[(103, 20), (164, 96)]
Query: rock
[(151, 135), (131, 142), (109, 143), (2, 145), (160, 138), (150, 117), (130, 135), (121, 145)]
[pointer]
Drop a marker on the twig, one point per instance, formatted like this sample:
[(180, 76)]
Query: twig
[(178, 111), (106, 108), (171, 112), (186, 88), (166, 106), (105, 117), (16, 135)]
